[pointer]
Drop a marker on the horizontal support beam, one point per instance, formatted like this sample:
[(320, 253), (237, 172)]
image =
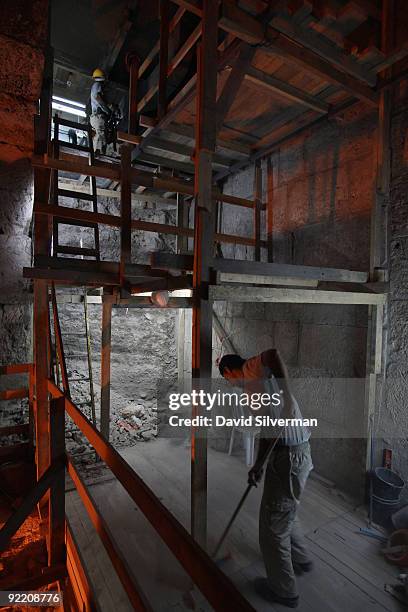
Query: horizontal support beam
[(248, 28), (14, 451), (293, 296), (48, 575), (18, 368), (226, 277), (211, 581), (168, 261), (138, 177), (11, 394), (79, 189), (289, 270), (285, 90), (8, 430), (64, 212)]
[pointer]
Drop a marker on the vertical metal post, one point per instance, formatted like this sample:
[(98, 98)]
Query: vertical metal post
[(203, 252)]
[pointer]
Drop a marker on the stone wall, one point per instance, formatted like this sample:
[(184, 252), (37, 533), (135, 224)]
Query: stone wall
[(322, 195), (23, 28), (144, 347)]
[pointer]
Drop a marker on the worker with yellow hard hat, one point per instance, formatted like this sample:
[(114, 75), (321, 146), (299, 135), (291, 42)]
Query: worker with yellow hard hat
[(100, 111)]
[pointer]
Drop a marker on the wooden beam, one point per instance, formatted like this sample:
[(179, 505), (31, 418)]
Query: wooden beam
[(233, 84), (289, 270), (106, 345), (184, 49), (140, 177), (269, 209), (121, 566), (257, 209), (56, 514), (293, 296), (203, 248), (28, 504), (285, 90), (188, 132), (125, 211), (163, 57), (250, 29), (152, 54), (257, 279), (212, 582), (115, 193), (10, 394)]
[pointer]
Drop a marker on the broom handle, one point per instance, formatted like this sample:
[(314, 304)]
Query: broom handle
[(242, 500)]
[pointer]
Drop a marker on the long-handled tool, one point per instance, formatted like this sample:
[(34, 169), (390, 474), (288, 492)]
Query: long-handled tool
[(243, 498)]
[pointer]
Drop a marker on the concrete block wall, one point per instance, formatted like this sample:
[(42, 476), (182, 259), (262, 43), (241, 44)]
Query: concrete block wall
[(323, 186)]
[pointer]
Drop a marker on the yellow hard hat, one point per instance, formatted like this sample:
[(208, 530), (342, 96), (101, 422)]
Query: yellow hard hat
[(98, 74)]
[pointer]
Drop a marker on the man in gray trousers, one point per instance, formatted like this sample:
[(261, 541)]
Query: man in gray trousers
[(289, 464)]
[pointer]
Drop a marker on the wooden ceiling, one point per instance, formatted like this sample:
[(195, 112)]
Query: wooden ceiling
[(283, 65)]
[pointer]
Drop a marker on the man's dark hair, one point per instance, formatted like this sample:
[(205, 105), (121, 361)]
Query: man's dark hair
[(232, 362)]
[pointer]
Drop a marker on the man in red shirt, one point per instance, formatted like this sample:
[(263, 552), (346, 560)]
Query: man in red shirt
[(289, 464)]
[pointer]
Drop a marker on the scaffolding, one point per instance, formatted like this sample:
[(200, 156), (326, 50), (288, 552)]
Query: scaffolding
[(208, 276)]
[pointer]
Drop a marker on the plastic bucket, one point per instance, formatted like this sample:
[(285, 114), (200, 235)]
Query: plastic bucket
[(387, 485), (383, 509)]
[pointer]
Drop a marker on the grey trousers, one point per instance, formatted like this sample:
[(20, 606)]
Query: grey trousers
[(280, 537)]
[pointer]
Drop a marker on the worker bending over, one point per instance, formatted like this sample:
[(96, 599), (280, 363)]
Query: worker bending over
[(281, 542), (100, 111)]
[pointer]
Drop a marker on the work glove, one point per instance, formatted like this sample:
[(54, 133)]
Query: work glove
[(255, 475)]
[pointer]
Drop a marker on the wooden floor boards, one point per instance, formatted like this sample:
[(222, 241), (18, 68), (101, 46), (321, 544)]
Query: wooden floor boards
[(349, 573)]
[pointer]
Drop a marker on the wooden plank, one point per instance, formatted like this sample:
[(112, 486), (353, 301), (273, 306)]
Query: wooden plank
[(293, 296), (188, 132), (184, 50), (113, 193), (203, 247), (8, 430), (28, 504), (19, 368), (104, 171), (59, 343), (78, 574), (233, 84), (257, 209), (133, 590), (133, 65), (290, 270), (56, 514), (152, 54), (130, 137), (163, 58), (207, 576), (10, 394), (147, 226), (106, 344), (15, 452), (250, 29), (125, 211), (265, 81), (42, 368), (245, 279), (269, 209)]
